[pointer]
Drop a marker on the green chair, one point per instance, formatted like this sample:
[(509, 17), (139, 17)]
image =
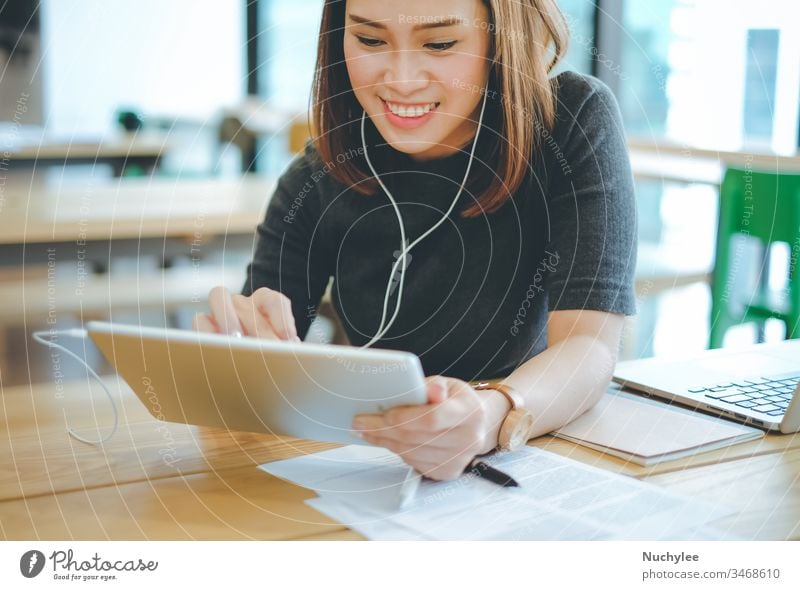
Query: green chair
[(765, 206)]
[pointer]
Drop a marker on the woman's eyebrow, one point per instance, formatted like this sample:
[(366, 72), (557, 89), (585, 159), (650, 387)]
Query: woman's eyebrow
[(434, 22)]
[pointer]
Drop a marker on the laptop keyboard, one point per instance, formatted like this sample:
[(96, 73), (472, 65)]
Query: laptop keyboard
[(767, 396)]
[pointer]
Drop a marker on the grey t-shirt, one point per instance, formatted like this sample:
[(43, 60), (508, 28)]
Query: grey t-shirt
[(476, 291)]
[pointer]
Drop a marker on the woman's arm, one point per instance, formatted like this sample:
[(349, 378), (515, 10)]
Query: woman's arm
[(442, 436), (290, 266), (290, 255), (569, 377), (564, 381), (593, 233)]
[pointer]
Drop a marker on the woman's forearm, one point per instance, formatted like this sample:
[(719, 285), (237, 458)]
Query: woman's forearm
[(564, 381)]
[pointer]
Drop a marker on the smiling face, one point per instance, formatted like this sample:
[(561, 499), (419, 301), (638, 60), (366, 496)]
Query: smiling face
[(417, 68)]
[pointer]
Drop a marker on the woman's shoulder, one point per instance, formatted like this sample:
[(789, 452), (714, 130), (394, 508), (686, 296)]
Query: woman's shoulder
[(575, 92), (298, 185), (586, 111), (303, 163), (305, 172), (309, 166)]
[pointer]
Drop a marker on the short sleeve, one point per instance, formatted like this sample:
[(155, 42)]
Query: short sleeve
[(289, 255), (592, 206)]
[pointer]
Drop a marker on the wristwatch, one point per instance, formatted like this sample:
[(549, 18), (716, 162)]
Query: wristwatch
[(518, 424)]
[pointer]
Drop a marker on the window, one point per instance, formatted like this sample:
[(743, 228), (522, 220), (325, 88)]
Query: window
[(179, 58), (712, 73), (580, 18)]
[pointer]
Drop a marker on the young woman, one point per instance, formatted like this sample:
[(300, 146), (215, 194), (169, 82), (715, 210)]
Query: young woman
[(470, 207)]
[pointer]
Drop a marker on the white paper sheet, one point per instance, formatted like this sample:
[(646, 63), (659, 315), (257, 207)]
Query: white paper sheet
[(363, 475), (558, 499)]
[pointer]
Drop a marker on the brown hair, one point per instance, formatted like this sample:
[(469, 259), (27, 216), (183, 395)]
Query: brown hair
[(528, 38)]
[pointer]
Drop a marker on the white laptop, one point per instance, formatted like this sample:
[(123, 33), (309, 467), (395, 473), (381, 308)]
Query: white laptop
[(757, 385), (302, 390)]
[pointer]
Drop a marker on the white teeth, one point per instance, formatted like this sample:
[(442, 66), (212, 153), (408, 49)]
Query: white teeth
[(412, 111)]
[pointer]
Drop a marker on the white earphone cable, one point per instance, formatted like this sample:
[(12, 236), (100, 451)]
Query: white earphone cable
[(404, 248), (42, 338)]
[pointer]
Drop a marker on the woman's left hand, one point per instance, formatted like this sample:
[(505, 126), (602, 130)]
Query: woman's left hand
[(441, 437)]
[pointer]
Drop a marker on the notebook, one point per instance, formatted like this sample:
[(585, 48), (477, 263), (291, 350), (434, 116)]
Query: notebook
[(647, 432)]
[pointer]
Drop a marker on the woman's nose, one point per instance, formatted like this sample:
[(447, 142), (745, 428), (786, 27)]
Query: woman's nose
[(405, 75)]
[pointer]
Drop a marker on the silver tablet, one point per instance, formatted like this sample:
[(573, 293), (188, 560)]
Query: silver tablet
[(303, 390)]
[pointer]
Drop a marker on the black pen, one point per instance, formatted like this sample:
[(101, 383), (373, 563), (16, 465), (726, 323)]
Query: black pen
[(484, 470)]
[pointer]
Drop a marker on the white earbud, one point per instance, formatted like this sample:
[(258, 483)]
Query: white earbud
[(404, 247)]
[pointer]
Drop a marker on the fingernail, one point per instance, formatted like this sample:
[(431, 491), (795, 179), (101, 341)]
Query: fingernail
[(296, 339), (237, 334), (357, 434)]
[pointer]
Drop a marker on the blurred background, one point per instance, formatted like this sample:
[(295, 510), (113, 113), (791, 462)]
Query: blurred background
[(140, 141)]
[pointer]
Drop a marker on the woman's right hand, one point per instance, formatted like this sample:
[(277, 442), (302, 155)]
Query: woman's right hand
[(265, 314)]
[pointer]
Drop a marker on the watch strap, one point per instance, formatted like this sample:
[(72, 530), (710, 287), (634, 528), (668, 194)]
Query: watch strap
[(513, 396), (517, 423)]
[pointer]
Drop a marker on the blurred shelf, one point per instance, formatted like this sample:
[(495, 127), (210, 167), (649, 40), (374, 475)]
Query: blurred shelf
[(141, 150), (133, 208), (685, 164), (97, 295), (658, 270)]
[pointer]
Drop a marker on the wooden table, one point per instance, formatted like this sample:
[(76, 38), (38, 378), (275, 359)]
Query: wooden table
[(160, 481)]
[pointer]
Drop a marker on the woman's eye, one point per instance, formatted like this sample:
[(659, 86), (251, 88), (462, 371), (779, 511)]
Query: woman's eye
[(443, 46), (369, 42)]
